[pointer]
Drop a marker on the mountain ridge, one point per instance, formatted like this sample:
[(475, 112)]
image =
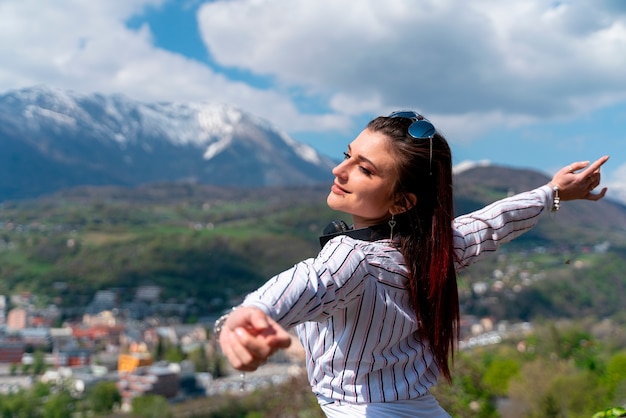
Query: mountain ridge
[(74, 139), (474, 188)]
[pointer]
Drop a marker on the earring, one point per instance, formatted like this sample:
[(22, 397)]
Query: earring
[(392, 223)]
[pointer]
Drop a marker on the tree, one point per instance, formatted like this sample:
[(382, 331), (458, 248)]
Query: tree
[(548, 408), (557, 388), (103, 397), (41, 390), (217, 365), (59, 405), (25, 368), (616, 370), (466, 396), (39, 362), (611, 413), (174, 354), (498, 374), (199, 359), (151, 406), (159, 350), (20, 405)]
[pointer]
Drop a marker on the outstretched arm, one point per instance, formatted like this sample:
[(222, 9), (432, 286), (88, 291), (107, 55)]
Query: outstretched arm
[(483, 231), (248, 337)]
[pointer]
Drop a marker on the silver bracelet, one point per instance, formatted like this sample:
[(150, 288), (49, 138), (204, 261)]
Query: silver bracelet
[(556, 200)]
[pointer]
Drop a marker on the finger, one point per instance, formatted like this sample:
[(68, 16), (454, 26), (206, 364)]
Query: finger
[(238, 357), (595, 166), (597, 196), (567, 169), (573, 167), (281, 338), (283, 342), (259, 320), (279, 342), (255, 346)]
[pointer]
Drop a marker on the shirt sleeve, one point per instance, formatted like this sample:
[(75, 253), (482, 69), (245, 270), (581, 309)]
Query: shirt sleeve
[(482, 232), (312, 289)]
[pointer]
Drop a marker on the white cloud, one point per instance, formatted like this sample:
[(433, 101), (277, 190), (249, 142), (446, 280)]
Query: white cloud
[(616, 182), (525, 59), (466, 65)]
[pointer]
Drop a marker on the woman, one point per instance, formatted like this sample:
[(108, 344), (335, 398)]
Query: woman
[(378, 313)]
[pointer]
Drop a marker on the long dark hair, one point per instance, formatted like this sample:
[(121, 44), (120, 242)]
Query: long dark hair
[(424, 234)]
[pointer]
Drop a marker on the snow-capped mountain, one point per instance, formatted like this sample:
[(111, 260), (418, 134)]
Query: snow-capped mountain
[(52, 139)]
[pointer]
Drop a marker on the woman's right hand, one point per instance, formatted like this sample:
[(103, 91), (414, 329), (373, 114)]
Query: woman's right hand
[(249, 337)]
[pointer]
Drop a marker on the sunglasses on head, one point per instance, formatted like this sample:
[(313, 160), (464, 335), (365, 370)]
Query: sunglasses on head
[(421, 128)]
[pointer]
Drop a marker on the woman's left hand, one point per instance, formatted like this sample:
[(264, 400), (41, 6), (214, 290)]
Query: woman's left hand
[(579, 179)]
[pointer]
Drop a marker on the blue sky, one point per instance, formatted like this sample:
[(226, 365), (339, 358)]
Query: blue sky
[(524, 83)]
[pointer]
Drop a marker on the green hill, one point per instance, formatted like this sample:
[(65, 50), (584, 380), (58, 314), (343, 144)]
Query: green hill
[(211, 245)]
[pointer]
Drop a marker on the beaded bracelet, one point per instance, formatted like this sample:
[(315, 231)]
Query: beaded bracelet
[(219, 324), (556, 200)]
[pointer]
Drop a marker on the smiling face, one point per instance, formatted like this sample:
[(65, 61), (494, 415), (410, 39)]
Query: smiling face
[(365, 180)]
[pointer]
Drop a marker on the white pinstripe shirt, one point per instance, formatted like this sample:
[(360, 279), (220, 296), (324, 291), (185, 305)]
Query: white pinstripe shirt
[(353, 315)]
